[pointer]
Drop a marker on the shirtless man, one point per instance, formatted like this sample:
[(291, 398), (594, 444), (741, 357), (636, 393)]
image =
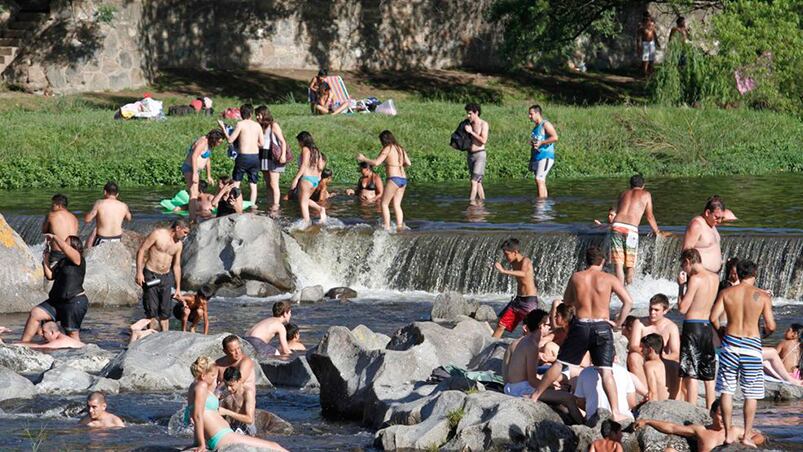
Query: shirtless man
[(109, 214), (261, 334), (646, 42), (97, 416), (589, 291), (679, 31), (708, 437), (623, 234), (54, 338), (652, 347), (526, 298), (740, 359), (236, 359), (476, 158), (697, 290), (656, 323), (240, 399), (702, 234), (164, 248), (249, 138), (61, 223), (202, 205)]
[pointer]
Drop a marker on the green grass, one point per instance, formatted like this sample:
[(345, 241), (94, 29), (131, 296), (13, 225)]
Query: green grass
[(74, 143)]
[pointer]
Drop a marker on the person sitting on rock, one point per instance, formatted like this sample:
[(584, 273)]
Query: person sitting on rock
[(140, 329), (591, 396), (54, 338), (263, 332), (191, 308), (240, 399), (654, 371), (294, 338), (97, 416), (234, 358), (611, 440)]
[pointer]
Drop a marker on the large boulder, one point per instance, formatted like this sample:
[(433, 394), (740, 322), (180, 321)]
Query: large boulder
[(456, 346), (491, 357), (21, 273), (13, 386), (675, 411), (24, 360), (294, 372), (486, 313), (110, 274), (341, 293), (312, 294), (161, 361), (91, 358), (64, 380), (369, 339), (234, 249), (451, 305), (427, 435)]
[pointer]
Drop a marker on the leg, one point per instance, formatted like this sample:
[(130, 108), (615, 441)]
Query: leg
[(551, 376), (499, 331), (619, 268), (341, 108), (629, 271), (609, 385), (473, 193), (397, 200), (75, 335), (749, 416), (773, 365), (387, 197), (304, 192), (691, 389), (481, 190), (253, 195), (319, 208), (35, 318), (164, 325), (672, 379), (710, 394), (542, 191), (236, 438), (567, 400), (727, 417), (274, 187)]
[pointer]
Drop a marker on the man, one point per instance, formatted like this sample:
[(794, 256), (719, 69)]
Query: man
[(61, 223), (542, 148), (702, 234), (646, 42), (526, 298), (109, 213), (697, 290), (707, 437), (235, 359), (589, 291), (97, 416), (652, 347), (261, 334), (239, 401), (743, 304), (164, 252), (476, 158), (591, 396), (55, 339), (656, 323), (611, 440), (633, 204), (679, 31), (250, 139)]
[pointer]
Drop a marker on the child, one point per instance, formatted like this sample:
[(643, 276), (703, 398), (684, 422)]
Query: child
[(561, 315), (294, 338), (526, 298), (652, 345), (611, 216), (611, 438), (321, 193), (192, 308), (789, 349)]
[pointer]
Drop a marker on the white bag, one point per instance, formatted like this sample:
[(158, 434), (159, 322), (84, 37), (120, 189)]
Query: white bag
[(386, 108)]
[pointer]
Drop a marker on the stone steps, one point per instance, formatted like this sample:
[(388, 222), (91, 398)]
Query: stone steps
[(9, 42), (7, 51)]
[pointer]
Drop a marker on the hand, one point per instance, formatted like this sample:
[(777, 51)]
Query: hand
[(222, 125), (5, 330), (140, 279), (177, 295), (210, 181), (597, 222), (361, 157), (350, 192), (641, 423), (536, 143), (468, 129), (665, 233), (49, 237), (499, 267), (682, 278)]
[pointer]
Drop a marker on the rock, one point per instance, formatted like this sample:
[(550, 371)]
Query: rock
[(132, 241), (341, 293), (24, 360), (235, 249), (774, 390), (21, 273), (91, 358), (260, 289), (110, 274), (313, 294), (584, 436), (161, 361), (456, 346), (268, 424), (244, 448), (485, 313), (620, 345), (672, 411), (449, 305), (294, 372), (105, 385), (13, 386), (491, 357), (64, 380), (369, 339), (428, 435)]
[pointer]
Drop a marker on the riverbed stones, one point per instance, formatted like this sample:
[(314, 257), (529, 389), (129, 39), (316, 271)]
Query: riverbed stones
[(90, 358), (428, 435), (268, 424), (294, 372), (235, 249), (491, 357), (105, 385), (485, 313), (64, 380), (311, 294), (450, 305), (13, 386), (110, 275), (369, 339), (675, 411), (21, 273), (341, 293), (24, 360)]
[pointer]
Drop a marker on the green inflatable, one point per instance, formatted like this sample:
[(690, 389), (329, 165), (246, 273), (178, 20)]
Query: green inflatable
[(179, 204)]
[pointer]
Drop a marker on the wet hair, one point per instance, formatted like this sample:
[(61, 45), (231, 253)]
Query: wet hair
[(202, 366), (535, 319), (235, 192), (680, 20), (326, 173), (610, 428), (594, 255), (661, 299), (231, 374), (179, 224), (323, 72), (264, 117), (59, 200), (636, 181), (511, 244), (47, 326), (305, 140), (229, 339), (746, 269), (730, 264), (224, 179), (246, 110), (474, 108), (203, 186), (281, 308), (214, 137), (75, 242), (628, 323), (797, 328), (565, 312), (536, 108), (715, 407), (292, 330), (111, 188), (713, 203), (205, 292), (653, 341), (366, 165), (691, 255), (97, 396)]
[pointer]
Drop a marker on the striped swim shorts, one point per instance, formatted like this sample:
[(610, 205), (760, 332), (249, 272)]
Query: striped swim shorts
[(741, 360)]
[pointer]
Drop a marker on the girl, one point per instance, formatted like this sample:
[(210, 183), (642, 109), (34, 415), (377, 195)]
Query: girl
[(271, 169), (395, 159), (199, 155), (309, 176)]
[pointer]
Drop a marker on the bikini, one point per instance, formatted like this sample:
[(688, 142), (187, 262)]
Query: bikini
[(313, 180), (371, 186), (398, 180), (212, 404), (186, 167)]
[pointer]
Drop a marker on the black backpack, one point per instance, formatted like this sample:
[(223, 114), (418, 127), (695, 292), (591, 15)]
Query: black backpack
[(461, 140)]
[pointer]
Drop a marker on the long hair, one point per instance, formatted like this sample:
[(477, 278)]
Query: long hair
[(264, 117), (387, 139), (305, 140), (214, 137)]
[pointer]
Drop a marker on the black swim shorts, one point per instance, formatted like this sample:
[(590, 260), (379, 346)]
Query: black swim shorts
[(156, 298), (246, 164), (698, 358), (69, 314), (595, 337)]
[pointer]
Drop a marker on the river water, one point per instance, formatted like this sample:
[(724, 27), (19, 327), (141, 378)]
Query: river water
[(451, 247)]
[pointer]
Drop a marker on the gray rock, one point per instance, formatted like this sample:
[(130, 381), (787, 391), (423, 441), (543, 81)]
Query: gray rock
[(456, 346), (110, 274), (341, 293), (774, 390), (21, 273), (675, 411), (620, 345), (235, 249), (312, 294), (485, 313), (24, 360), (294, 372), (91, 358), (450, 305), (105, 385), (428, 435), (584, 436), (260, 289), (64, 380), (13, 386), (269, 424), (369, 339), (491, 357)]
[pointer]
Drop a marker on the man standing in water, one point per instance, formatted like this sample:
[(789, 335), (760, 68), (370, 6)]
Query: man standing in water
[(476, 157), (702, 234), (61, 223), (250, 139), (744, 304), (633, 204), (109, 214), (164, 251), (589, 291), (542, 148), (526, 298)]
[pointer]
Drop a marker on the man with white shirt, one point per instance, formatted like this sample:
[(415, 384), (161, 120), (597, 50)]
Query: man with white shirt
[(591, 396)]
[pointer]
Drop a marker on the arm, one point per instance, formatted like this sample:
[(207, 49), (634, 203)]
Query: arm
[(198, 414), (234, 134), (652, 385), (209, 170), (90, 216), (669, 428), (552, 134), (769, 320), (650, 217), (686, 299), (692, 235), (72, 254), (238, 204), (128, 215), (482, 137), (46, 224), (284, 349), (249, 403), (514, 273), (634, 341), (672, 349), (716, 311), (379, 160), (177, 268), (303, 164), (553, 312), (407, 163), (206, 319), (146, 245), (46, 268), (627, 302), (221, 193)]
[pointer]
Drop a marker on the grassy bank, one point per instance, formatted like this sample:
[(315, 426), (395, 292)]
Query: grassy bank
[(75, 143)]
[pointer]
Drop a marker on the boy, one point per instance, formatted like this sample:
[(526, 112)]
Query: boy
[(97, 416), (476, 157), (239, 401), (789, 349), (526, 299), (652, 345), (611, 440), (192, 308), (294, 338), (656, 322), (261, 334)]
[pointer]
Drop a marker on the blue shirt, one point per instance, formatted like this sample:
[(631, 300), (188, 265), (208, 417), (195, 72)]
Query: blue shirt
[(545, 151)]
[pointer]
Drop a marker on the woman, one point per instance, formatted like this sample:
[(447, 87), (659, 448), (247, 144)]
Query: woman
[(203, 409), (315, 86), (199, 155), (271, 169), (395, 159), (67, 302), (369, 187), (325, 102), (308, 176)]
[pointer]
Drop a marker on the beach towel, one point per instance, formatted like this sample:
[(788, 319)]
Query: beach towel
[(339, 91)]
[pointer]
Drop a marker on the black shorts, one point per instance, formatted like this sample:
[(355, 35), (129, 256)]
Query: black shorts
[(178, 312), (246, 164), (698, 359), (157, 299), (593, 337), (69, 314)]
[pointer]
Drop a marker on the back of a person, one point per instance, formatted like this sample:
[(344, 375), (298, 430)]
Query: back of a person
[(395, 161), (248, 140), (744, 304), (592, 290), (631, 207), (111, 214)]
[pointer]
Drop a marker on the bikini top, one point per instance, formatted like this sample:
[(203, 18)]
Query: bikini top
[(211, 404), (371, 186), (204, 155)]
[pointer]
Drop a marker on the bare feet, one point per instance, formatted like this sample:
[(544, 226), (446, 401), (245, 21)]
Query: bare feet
[(323, 215), (730, 438), (746, 441)]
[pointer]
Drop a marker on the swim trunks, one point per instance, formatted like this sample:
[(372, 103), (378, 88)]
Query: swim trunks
[(101, 239), (624, 244), (516, 310), (541, 168), (648, 51), (156, 298), (69, 314), (246, 164), (741, 358), (261, 347), (698, 358), (399, 181), (588, 335), (476, 164), (519, 389)]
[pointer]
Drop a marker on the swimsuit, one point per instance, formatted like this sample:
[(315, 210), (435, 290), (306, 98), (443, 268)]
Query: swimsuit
[(588, 335), (741, 358), (186, 167), (313, 180), (101, 239), (399, 181), (371, 186), (156, 298), (697, 354), (246, 164), (211, 404), (262, 347), (67, 303), (515, 311), (648, 51), (624, 244), (476, 164), (542, 159)]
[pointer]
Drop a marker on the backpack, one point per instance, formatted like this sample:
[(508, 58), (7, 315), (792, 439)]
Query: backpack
[(180, 110), (461, 140)]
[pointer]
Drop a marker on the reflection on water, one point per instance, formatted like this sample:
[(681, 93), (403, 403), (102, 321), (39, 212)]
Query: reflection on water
[(476, 212), (542, 212)]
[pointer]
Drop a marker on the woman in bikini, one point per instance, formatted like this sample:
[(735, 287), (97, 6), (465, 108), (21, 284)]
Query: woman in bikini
[(395, 159), (308, 176), (369, 187), (199, 155)]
